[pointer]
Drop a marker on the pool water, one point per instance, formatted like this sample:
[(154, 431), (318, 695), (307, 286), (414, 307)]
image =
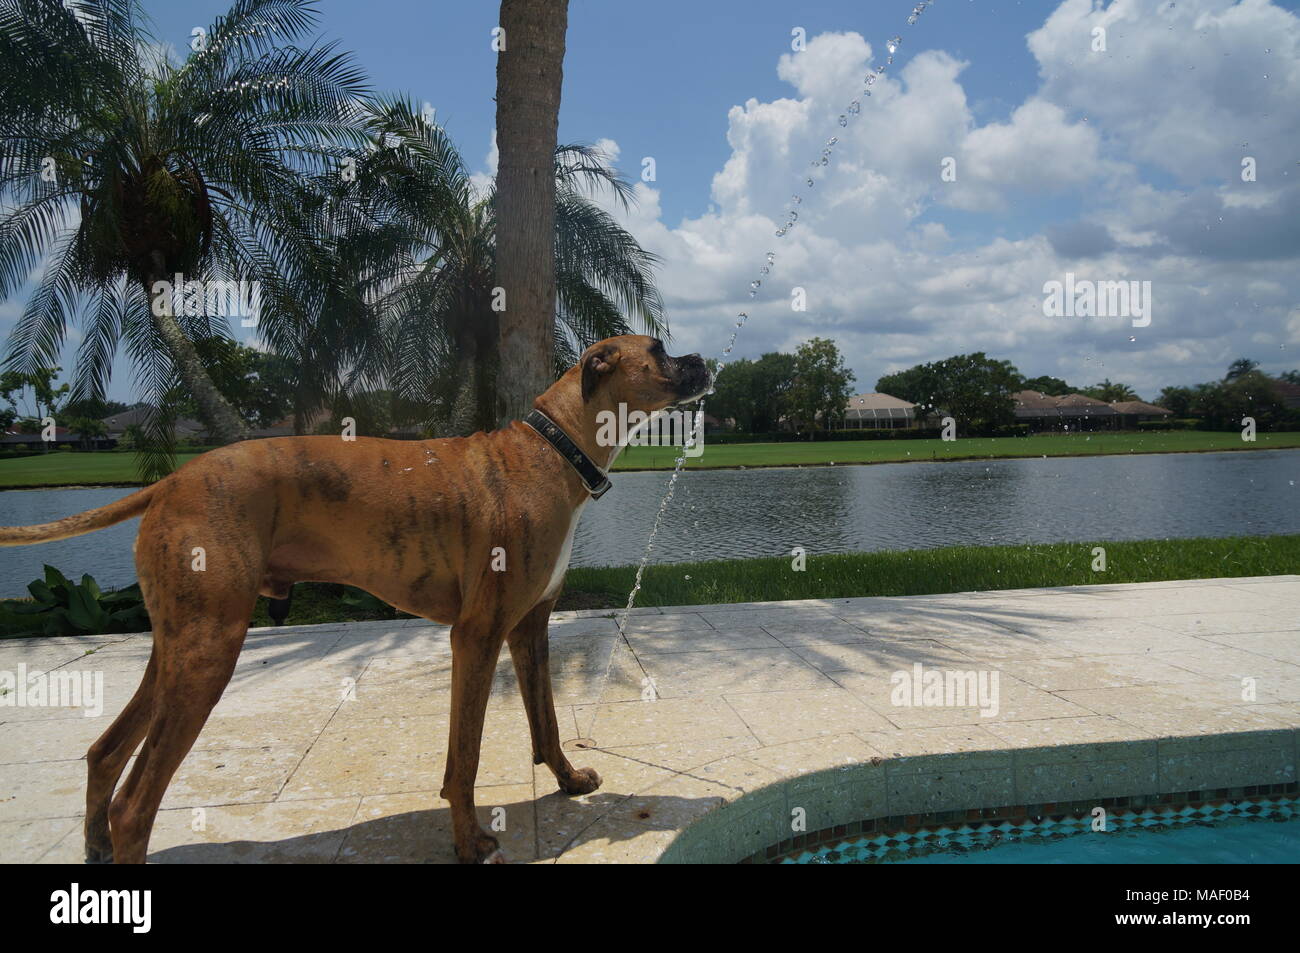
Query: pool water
[(1232, 841)]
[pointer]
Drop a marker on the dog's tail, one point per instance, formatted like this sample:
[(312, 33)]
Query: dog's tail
[(86, 522)]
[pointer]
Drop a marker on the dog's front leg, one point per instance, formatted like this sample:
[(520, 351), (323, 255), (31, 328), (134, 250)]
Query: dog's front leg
[(530, 652), (474, 653)]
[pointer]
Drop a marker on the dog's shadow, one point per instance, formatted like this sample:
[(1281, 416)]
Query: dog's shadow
[(527, 830)]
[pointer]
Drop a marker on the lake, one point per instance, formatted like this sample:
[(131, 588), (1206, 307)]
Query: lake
[(723, 514)]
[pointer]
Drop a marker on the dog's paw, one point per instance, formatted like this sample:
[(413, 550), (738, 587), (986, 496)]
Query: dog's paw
[(483, 849), (98, 855), (583, 781)]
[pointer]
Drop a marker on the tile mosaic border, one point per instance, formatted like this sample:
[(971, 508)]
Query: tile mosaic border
[(894, 838)]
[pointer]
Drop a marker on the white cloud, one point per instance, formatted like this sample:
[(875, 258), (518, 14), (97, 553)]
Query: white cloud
[(894, 287)]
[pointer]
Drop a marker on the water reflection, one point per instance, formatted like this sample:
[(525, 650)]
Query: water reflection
[(744, 513)]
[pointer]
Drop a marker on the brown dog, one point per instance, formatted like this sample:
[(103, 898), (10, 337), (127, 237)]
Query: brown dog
[(416, 523)]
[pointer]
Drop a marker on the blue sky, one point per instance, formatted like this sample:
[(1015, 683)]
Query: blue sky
[(1112, 165), (657, 78)]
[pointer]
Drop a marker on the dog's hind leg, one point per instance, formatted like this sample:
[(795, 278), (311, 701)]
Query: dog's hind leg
[(530, 652), (106, 759), (194, 660), (474, 652)]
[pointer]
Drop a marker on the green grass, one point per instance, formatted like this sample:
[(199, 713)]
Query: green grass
[(66, 468), (965, 448), (922, 571), (912, 572)]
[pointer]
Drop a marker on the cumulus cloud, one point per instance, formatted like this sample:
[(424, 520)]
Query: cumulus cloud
[(1120, 165)]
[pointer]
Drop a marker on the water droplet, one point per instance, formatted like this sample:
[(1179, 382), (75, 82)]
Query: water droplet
[(844, 120)]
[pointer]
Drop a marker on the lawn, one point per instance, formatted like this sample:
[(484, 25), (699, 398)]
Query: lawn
[(911, 572), (923, 571), (718, 455), (66, 468)]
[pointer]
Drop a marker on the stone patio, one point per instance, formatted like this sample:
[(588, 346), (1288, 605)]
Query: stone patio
[(328, 745)]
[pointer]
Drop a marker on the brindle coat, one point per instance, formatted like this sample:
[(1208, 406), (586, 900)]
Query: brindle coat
[(414, 522)]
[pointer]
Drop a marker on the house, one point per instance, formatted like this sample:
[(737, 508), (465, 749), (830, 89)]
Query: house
[(1288, 393), (116, 425), (880, 412), (1078, 412), (13, 440), (1134, 412), (1068, 412)]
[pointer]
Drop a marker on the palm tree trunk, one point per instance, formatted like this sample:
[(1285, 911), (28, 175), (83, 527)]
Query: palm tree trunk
[(224, 425), (530, 71)]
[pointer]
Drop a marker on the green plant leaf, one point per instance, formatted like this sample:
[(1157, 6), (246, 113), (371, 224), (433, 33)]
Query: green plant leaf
[(84, 612), (42, 593), (55, 579)]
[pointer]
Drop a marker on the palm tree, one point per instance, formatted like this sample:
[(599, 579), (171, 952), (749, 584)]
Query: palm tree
[(1110, 391), (530, 71), (121, 169), (443, 321), (408, 301)]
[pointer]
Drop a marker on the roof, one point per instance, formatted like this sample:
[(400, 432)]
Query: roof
[(877, 401), (1033, 404), (136, 416), (284, 426), (14, 436), (877, 406), (1140, 407), (1290, 393)]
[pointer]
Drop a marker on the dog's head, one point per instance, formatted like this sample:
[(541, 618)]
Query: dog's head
[(636, 370)]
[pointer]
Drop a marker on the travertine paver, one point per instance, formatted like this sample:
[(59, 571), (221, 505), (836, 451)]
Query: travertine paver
[(329, 743)]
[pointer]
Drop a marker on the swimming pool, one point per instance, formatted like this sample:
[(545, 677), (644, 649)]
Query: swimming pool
[(1271, 836), (1234, 841)]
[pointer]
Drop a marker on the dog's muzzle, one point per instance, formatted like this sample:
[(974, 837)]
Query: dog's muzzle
[(693, 378)]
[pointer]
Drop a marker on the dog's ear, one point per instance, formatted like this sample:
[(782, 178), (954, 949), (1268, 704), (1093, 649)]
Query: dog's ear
[(602, 359)]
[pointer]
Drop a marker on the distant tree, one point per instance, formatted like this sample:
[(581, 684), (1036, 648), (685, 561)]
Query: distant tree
[(87, 428), (1239, 368), (1177, 400), (94, 407), (753, 393), (774, 376), (1110, 391), (1252, 394), (1291, 377), (973, 388), (1052, 386), (733, 394), (822, 384), (32, 396), (260, 386)]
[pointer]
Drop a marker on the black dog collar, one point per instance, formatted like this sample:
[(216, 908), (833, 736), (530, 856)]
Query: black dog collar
[(593, 477)]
